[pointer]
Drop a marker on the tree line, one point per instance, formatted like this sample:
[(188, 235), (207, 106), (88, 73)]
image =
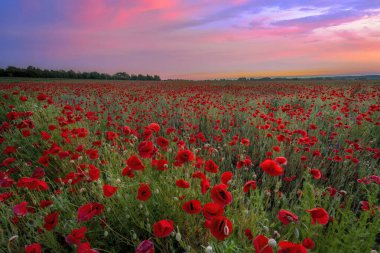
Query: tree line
[(35, 72)]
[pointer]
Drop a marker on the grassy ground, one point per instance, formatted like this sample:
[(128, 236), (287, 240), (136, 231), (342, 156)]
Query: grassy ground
[(331, 126)]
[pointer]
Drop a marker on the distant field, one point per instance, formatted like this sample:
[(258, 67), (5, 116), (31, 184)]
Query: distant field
[(183, 166)]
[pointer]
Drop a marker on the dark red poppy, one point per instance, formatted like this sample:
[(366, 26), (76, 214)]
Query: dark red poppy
[(146, 149), (226, 177), (162, 142), (205, 185), (160, 165), (21, 209), (143, 192), (51, 221), (33, 248), (93, 173), (261, 244), (251, 184), (76, 236), (211, 166), (135, 163), (286, 217), (319, 215), (4, 196), (109, 190), (289, 247), (154, 127), (316, 173), (308, 243), (248, 234), (89, 210), (163, 228), (182, 184), (45, 135), (183, 156), (45, 203), (192, 207), (272, 168), (220, 227), (211, 210), (220, 195), (86, 248)]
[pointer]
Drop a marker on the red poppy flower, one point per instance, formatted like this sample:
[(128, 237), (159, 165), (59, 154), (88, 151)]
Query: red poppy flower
[(220, 227), (109, 190), (87, 211), (45, 203), (25, 133), (281, 160), (162, 142), (126, 130), (163, 228), (146, 149), (271, 168), (93, 173), (211, 166), (135, 163), (289, 247), (205, 185), (261, 244), (111, 135), (8, 161), (308, 243), (226, 177), (76, 236), (160, 165), (33, 248), (182, 184), (251, 184), (154, 127), (192, 206), (147, 134), (32, 184), (319, 215), (316, 173), (21, 209), (92, 153), (199, 174), (184, 156), (86, 248), (211, 210), (286, 217), (220, 195), (4, 196), (45, 136), (248, 234), (9, 150), (51, 221), (143, 192)]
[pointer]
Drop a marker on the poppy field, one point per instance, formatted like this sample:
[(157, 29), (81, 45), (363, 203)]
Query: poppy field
[(288, 166)]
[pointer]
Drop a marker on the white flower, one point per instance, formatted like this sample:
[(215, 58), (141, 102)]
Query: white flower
[(272, 243), (178, 237), (209, 249)]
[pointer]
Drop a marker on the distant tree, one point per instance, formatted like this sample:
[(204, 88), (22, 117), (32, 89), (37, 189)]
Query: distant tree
[(32, 71), (242, 79)]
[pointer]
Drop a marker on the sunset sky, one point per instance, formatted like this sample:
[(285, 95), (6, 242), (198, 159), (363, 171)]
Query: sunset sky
[(193, 39)]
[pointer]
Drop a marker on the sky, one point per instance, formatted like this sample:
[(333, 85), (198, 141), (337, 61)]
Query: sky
[(193, 39)]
